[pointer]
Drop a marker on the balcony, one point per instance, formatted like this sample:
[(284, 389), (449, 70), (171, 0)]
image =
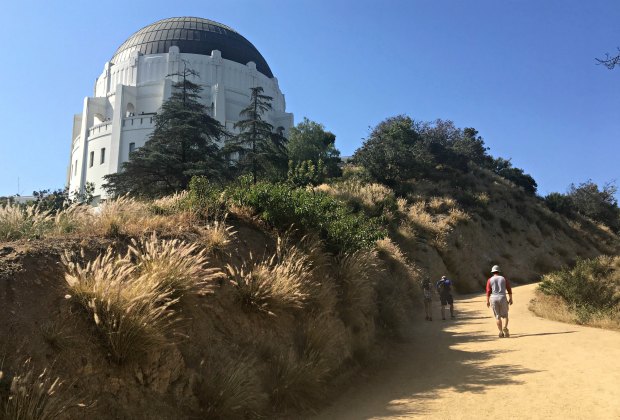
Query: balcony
[(138, 121), (100, 129)]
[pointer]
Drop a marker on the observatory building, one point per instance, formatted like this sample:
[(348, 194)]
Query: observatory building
[(136, 81)]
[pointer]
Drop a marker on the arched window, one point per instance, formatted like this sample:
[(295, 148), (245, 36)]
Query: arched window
[(130, 111), (98, 119)]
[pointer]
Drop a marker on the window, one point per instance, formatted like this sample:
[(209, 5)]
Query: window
[(102, 155), (91, 159), (132, 147)]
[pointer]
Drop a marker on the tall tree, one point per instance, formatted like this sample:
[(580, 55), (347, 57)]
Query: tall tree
[(308, 141), (183, 144), (257, 147)]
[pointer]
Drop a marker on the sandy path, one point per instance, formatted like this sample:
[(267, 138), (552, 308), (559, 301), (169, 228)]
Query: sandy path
[(462, 370)]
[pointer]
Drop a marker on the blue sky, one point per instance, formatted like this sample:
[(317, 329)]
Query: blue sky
[(522, 72)]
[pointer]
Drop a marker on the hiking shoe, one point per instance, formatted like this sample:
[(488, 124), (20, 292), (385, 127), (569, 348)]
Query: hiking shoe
[(506, 333), (501, 335)]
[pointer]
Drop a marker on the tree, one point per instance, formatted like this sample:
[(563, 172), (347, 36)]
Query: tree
[(308, 141), (610, 61), (503, 167), (258, 148), (388, 153), (183, 144), (597, 204)]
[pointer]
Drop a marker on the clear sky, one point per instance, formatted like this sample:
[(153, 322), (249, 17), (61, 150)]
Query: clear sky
[(522, 72)]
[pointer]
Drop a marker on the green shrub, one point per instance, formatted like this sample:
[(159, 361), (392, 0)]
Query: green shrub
[(283, 205), (590, 286)]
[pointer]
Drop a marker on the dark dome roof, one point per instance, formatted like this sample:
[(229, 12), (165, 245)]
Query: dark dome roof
[(193, 36)]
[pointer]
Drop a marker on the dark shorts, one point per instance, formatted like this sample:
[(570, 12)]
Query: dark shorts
[(446, 300)]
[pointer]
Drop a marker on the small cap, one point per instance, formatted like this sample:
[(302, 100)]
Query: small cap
[(495, 269)]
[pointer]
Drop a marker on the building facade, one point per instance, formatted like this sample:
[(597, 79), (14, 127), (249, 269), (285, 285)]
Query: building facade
[(118, 118)]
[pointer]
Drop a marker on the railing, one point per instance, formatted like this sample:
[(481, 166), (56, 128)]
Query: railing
[(138, 121), (100, 129)]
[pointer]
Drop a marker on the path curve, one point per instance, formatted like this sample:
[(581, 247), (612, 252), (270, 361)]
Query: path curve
[(461, 370)]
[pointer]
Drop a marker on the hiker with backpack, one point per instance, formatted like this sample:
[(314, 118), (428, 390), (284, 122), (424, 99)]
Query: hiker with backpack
[(426, 290), (444, 288), (497, 287)]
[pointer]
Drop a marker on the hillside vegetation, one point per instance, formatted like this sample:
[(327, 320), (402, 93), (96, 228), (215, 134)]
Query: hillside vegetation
[(257, 299)]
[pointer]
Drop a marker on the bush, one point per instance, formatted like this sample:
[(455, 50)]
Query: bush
[(559, 203), (282, 206), (591, 285)]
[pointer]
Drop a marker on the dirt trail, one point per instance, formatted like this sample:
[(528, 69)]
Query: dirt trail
[(461, 370)]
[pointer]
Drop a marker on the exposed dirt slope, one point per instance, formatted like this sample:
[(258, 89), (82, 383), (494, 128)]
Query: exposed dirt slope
[(462, 370)]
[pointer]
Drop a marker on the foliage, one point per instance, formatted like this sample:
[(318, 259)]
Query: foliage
[(59, 199), (504, 168), (283, 205), (258, 149), (308, 141), (610, 61), (305, 173), (559, 203), (389, 154), (590, 286), (598, 204), (400, 149), (182, 145)]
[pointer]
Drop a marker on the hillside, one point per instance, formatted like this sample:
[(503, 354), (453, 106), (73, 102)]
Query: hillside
[(266, 321)]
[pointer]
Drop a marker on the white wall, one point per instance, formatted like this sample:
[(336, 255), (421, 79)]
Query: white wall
[(142, 82)]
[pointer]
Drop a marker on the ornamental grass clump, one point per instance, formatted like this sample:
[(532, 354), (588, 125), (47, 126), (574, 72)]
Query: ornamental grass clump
[(131, 312), (35, 396), (21, 222), (172, 266), (233, 390), (276, 284)]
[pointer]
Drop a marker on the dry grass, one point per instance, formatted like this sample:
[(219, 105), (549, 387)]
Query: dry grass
[(130, 298), (173, 266), (35, 396), (215, 237), (125, 216), (17, 222), (552, 307), (233, 390), (280, 283), (298, 380), (75, 218), (132, 313), (373, 197), (398, 289), (435, 217)]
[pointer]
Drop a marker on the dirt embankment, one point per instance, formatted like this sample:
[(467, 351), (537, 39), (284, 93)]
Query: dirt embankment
[(461, 370)]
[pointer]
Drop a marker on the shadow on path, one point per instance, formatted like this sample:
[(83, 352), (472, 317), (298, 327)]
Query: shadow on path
[(419, 371), (533, 335)]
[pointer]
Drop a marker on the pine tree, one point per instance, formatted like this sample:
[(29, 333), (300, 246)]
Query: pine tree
[(257, 147), (183, 144)]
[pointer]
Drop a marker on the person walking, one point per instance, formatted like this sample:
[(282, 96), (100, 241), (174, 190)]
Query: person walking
[(497, 287), (444, 288), (426, 290)]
